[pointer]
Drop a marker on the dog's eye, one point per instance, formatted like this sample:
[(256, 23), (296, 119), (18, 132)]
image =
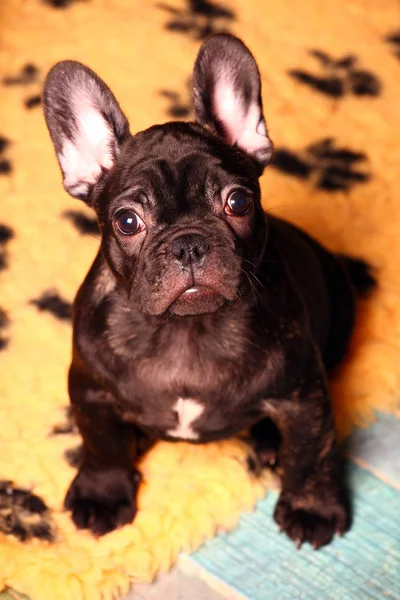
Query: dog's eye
[(238, 203), (128, 222)]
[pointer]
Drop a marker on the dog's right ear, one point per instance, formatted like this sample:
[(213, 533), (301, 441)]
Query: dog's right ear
[(85, 123)]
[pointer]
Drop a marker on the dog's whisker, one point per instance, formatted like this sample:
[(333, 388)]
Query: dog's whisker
[(265, 260), (256, 278), (250, 262), (253, 288), (248, 273)]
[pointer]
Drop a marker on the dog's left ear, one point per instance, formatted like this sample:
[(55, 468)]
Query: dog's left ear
[(227, 96)]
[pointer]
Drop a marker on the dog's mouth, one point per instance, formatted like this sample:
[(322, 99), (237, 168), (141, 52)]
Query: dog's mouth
[(197, 300)]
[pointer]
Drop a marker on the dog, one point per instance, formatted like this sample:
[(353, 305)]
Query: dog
[(201, 316)]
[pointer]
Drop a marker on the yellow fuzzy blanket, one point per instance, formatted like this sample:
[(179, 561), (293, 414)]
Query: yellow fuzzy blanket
[(331, 90)]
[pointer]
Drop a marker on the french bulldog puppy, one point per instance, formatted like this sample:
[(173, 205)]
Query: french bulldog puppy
[(201, 316)]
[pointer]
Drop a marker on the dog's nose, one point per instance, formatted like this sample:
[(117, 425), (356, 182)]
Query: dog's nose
[(189, 248)]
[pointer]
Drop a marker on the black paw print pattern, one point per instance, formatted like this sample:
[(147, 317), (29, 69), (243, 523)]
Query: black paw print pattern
[(339, 77), (60, 3), (329, 168), (361, 274), (5, 164), (5, 236), (4, 322), (84, 224), (73, 455), (67, 426), (180, 104), (200, 19), (394, 41), (51, 301), (27, 76), (24, 514)]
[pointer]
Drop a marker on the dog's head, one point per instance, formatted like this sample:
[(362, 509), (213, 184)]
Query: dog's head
[(178, 204)]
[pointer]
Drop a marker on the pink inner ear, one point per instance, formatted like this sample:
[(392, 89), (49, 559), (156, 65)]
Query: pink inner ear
[(83, 158), (244, 127)]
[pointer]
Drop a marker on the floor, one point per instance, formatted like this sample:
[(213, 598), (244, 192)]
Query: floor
[(176, 585), (255, 562)]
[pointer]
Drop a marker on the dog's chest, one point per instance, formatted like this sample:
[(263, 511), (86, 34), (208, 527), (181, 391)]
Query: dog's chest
[(187, 411), (181, 396), (185, 392)]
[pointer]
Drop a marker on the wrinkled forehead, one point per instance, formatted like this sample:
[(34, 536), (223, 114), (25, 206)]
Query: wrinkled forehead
[(178, 172)]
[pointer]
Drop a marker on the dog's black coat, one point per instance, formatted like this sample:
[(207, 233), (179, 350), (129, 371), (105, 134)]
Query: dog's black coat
[(268, 313)]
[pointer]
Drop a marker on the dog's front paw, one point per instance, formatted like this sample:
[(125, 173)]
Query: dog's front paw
[(102, 500), (311, 519)]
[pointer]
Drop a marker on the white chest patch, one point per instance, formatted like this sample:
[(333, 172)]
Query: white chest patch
[(188, 410)]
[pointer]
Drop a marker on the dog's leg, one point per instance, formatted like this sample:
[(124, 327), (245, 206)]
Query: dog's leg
[(313, 504), (102, 496), (264, 441)]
